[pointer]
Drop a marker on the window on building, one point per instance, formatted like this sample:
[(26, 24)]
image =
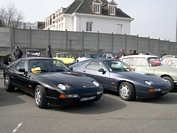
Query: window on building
[(89, 26), (97, 8), (112, 10)]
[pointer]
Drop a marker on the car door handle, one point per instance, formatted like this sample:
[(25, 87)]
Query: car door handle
[(84, 71)]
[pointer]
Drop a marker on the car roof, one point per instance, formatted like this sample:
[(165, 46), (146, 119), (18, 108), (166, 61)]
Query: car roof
[(89, 53), (32, 50), (170, 59), (61, 53), (100, 59), (35, 58), (146, 56)]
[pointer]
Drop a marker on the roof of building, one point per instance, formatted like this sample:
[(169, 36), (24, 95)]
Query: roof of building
[(41, 26), (85, 6)]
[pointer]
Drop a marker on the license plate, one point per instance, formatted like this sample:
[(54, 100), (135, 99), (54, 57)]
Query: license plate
[(87, 98)]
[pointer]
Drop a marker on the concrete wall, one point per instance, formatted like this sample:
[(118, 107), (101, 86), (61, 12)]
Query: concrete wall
[(77, 43)]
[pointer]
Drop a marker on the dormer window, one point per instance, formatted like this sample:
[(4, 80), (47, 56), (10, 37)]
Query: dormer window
[(112, 10), (97, 8), (112, 7)]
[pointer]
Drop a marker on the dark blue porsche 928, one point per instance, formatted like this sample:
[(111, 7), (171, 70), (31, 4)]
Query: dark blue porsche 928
[(50, 81), (117, 76)]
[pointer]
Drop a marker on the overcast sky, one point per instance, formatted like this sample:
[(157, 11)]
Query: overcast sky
[(154, 18)]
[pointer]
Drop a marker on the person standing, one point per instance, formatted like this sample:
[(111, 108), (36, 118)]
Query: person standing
[(18, 53), (121, 53), (48, 52), (129, 52), (134, 52)]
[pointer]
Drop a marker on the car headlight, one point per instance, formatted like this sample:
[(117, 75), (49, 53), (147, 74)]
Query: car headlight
[(62, 86), (148, 82), (95, 83)]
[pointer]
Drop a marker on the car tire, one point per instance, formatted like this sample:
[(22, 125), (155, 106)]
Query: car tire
[(169, 80), (40, 96), (127, 91), (8, 84)]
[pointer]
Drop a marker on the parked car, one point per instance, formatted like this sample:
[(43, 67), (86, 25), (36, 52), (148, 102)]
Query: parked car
[(50, 81), (115, 75), (32, 53), (67, 59), (152, 64), (169, 56), (109, 55), (172, 62), (86, 57)]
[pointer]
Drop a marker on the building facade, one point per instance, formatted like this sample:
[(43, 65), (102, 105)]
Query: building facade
[(90, 16)]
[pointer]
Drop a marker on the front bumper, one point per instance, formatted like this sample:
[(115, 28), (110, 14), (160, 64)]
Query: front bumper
[(151, 94), (71, 101), (85, 96)]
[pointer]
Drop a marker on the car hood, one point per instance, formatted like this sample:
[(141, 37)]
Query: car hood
[(74, 80), (142, 77)]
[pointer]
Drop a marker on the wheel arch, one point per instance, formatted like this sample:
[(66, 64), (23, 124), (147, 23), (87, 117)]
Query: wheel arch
[(118, 84), (165, 75)]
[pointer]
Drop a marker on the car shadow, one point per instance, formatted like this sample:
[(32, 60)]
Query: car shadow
[(170, 98), (105, 105), (10, 98)]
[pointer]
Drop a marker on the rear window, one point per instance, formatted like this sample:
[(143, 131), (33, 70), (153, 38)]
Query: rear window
[(32, 53)]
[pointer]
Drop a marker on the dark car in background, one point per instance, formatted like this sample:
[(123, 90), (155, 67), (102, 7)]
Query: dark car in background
[(50, 81), (115, 75)]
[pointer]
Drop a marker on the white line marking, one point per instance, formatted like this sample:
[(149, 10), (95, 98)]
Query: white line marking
[(18, 126)]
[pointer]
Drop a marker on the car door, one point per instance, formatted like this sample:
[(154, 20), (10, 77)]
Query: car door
[(92, 70), (22, 79)]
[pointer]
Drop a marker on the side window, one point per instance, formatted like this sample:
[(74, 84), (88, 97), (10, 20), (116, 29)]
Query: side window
[(89, 26), (140, 62), (22, 64), (129, 61), (95, 65)]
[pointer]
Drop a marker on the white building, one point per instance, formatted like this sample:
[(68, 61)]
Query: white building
[(25, 25), (90, 16)]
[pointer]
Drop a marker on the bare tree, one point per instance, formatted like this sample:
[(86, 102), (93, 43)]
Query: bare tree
[(10, 17)]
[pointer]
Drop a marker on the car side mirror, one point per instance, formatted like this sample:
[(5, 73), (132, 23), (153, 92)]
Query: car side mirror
[(21, 70), (101, 70)]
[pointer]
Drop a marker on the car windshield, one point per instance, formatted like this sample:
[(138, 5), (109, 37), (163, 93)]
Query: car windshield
[(47, 65), (155, 61), (64, 55), (117, 66), (91, 56)]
